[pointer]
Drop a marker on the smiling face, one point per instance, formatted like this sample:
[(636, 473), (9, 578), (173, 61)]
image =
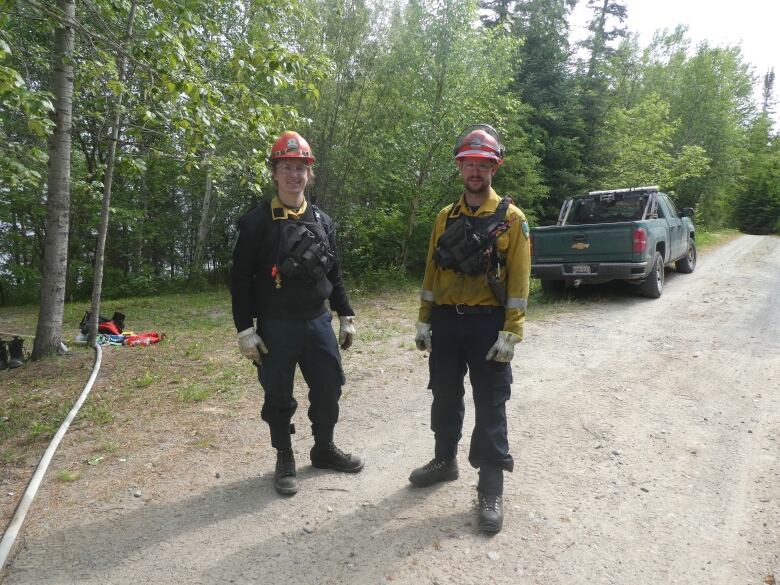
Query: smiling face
[(291, 177), (477, 175)]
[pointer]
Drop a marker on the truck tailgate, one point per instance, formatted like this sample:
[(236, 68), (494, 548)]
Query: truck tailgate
[(584, 243)]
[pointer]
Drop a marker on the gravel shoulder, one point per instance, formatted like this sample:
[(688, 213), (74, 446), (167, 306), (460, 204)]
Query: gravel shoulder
[(645, 433)]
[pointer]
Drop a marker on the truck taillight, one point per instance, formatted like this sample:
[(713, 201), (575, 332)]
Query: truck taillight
[(640, 240)]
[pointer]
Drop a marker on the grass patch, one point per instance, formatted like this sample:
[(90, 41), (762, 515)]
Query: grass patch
[(706, 240), (109, 447), (11, 457), (145, 380), (67, 476), (195, 351), (98, 414), (194, 392)]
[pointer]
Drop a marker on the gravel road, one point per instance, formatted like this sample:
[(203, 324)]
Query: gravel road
[(645, 433)]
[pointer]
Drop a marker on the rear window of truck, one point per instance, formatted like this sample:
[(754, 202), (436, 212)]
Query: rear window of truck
[(600, 209)]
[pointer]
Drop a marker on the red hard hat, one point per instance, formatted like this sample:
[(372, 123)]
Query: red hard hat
[(292, 145), (479, 141)]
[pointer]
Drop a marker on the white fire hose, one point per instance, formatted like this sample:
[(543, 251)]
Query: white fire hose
[(32, 488)]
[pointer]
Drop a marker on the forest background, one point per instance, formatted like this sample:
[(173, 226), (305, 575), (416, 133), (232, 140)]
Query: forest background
[(175, 104)]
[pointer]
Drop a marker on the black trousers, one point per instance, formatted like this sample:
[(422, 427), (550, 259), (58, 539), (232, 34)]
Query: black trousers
[(460, 344), (312, 345)]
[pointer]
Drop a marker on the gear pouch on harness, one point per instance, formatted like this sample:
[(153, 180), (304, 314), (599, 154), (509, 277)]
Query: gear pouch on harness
[(465, 246), (303, 252)]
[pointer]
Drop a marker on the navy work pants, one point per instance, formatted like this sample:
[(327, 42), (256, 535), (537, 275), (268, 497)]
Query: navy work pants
[(312, 345), (460, 344)]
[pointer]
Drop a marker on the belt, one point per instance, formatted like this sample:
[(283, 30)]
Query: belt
[(461, 309)]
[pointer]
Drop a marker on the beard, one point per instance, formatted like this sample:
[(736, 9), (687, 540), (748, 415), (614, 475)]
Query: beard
[(477, 189)]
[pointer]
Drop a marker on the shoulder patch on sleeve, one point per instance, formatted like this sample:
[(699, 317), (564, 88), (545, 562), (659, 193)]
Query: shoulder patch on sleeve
[(525, 228)]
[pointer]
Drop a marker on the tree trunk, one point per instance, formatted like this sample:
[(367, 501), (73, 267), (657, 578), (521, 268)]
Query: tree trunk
[(97, 284), (203, 228), (48, 334)]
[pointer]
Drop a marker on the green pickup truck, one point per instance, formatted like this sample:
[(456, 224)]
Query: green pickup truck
[(623, 234)]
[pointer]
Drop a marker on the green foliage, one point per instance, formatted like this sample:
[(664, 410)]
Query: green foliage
[(380, 90), (641, 139), (758, 205), (710, 94), (544, 83), (24, 118)]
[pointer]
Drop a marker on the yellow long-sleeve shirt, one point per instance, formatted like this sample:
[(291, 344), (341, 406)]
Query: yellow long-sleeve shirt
[(447, 287)]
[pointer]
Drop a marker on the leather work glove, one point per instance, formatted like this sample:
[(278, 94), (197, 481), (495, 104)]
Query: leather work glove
[(346, 331), (423, 337), (251, 345), (504, 348)]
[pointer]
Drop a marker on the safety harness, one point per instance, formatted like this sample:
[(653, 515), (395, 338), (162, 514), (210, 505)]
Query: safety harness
[(304, 252), (467, 244)]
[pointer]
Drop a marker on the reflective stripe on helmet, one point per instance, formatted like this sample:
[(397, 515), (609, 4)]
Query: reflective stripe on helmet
[(479, 141)]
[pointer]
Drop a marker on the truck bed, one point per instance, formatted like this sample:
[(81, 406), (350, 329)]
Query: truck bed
[(585, 243)]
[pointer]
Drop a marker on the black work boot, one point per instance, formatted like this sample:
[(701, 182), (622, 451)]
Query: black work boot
[(285, 481), (331, 457), (491, 512), (3, 355), (16, 352), (434, 471)]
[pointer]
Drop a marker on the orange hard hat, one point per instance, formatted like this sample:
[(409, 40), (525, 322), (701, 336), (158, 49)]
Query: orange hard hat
[(292, 145), (479, 141)]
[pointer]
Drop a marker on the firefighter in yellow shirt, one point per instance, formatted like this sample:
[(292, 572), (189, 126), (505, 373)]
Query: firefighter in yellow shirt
[(471, 316)]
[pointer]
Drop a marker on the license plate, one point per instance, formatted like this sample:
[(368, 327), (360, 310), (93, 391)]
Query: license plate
[(581, 268)]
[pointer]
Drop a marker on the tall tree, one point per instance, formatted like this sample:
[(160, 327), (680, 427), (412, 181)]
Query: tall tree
[(767, 92), (757, 207), (48, 335), (606, 26), (544, 82), (108, 177)]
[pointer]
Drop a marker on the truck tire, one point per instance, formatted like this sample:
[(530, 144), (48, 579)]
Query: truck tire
[(653, 285), (687, 263), (553, 287)]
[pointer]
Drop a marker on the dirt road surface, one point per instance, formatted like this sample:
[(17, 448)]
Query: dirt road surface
[(646, 435)]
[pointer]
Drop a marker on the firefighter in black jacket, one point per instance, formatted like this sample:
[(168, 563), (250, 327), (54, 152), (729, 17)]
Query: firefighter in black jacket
[(285, 267), (471, 316)]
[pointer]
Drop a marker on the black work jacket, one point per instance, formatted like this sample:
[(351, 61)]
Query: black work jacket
[(253, 287)]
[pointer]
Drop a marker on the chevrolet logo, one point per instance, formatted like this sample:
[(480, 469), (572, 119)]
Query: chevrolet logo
[(580, 246)]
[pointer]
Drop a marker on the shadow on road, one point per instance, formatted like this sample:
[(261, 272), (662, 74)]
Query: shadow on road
[(370, 539)]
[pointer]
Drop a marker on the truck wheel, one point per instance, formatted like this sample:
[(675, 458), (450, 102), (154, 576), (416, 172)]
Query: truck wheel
[(653, 285), (687, 263), (553, 287)]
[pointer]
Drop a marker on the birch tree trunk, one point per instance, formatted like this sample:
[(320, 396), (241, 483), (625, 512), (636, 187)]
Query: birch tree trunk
[(48, 334), (203, 228), (100, 252)]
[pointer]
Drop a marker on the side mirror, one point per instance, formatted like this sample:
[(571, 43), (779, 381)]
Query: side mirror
[(686, 212)]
